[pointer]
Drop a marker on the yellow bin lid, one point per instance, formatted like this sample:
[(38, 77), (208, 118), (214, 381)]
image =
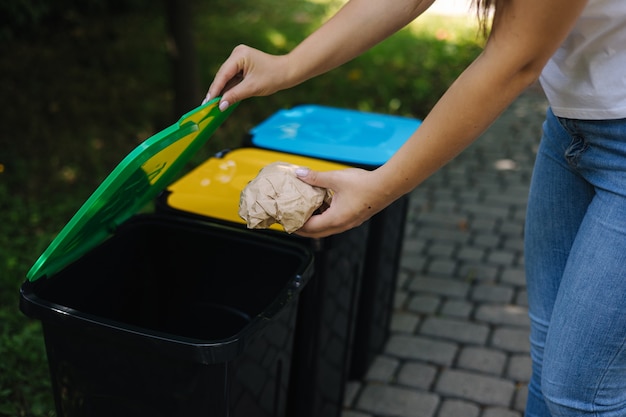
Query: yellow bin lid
[(213, 188)]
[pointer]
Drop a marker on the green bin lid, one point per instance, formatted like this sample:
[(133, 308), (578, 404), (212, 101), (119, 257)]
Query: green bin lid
[(136, 180)]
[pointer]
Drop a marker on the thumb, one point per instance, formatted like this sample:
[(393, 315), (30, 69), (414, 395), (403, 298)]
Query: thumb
[(231, 93), (314, 178), (225, 100)]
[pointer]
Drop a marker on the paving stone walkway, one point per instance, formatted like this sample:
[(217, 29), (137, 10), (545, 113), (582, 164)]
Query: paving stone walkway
[(459, 334)]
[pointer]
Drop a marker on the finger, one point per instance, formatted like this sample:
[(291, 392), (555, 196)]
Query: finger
[(230, 93), (318, 226), (233, 82), (315, 178), (223, 77), (230, 73), (225, 101)]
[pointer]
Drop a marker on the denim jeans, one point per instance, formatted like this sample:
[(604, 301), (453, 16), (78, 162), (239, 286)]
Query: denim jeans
[(575, 257)]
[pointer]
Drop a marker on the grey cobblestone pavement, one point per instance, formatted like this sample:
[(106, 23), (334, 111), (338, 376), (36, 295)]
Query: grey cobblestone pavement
[(459, 334)]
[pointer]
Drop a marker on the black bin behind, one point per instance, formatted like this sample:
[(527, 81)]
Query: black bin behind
[(172, 317), (365, 140), (328, 305)]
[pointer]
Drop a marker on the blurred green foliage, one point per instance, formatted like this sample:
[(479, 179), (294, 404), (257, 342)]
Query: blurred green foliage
[(28, 19), (81, 88)]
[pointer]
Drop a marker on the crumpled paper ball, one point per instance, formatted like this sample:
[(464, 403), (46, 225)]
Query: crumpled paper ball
[(276, 195)]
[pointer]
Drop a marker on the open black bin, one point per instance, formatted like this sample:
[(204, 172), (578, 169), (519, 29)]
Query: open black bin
[(328, 304), (152, 315), (365, 140), (164, 319)]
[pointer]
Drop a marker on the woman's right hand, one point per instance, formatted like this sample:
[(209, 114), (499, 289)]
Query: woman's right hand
[(246, 73)]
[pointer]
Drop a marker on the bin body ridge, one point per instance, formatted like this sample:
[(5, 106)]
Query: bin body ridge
[(326, 326)]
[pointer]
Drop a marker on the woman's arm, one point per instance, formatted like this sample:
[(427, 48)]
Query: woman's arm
[(356, 27), (524, 36)]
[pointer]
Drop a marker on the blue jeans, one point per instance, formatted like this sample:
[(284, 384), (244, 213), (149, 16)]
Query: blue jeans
[(575, 257)]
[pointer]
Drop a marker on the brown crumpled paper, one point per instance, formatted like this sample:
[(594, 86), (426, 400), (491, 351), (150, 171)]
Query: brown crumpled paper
[(276, 195)]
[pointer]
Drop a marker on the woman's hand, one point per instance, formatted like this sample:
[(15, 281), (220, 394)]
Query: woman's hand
[(356, 198), (246, 73)]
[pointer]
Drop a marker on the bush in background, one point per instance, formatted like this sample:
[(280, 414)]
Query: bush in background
[(79, 96)]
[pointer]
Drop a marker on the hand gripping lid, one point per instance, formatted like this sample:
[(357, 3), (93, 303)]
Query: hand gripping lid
[(135, 181)]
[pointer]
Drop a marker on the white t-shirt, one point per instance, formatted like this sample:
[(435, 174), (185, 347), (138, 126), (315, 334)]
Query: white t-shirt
[(586, 77)]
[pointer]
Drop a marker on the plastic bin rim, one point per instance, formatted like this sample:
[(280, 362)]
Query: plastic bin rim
[(198, 350)]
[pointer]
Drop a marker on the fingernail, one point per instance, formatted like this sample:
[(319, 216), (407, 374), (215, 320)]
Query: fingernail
[(206, 99), (224, 105), (302, 172)]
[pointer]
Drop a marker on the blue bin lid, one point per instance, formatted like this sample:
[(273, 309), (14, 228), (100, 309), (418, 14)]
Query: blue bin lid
[(134, 182), (348, 136)]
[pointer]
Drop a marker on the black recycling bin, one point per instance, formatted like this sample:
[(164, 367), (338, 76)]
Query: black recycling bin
[(365, 140), (327, 305), (156, 315)]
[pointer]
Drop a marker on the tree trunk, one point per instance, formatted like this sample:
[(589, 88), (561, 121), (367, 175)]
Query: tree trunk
[(185, 78)]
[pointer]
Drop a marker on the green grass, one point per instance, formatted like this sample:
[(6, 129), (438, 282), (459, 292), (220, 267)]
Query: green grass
[(76, 101)]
